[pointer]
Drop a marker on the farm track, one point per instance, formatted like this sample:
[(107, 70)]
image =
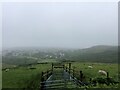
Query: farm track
[(60, 79)]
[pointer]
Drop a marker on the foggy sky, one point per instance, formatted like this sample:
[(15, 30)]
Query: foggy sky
[(69, 25)]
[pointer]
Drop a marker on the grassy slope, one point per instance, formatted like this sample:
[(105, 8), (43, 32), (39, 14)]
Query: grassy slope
[(21, 77), (97, 54), (111, 68), (93, 73)]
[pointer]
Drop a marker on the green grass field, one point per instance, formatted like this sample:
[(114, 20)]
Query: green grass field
[(22, 77), (111, 68), (93, 73)]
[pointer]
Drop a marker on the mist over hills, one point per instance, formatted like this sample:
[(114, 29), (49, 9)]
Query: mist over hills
[(99, 53)]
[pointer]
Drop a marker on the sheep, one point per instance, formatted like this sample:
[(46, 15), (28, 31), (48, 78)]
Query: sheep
[(90, 67), (6, 70), (102, 72)]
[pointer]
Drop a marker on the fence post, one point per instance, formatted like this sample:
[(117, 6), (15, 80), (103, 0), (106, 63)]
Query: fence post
[(42, 81), (108, 82), (81, 76), (69, 67), (90, 80), (66, 69), (52, 67), (73, 73), (47, 74), (51, 72), (107, 74), (63, 67)]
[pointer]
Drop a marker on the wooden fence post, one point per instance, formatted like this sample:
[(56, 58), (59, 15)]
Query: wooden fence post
[(42, 81), (52, 68), (47, 74), (90, 80), (108, 79), (66, 69), (50, 71), (73, 73), (69, 67), (81, 76), (63, 67), (107, 74)]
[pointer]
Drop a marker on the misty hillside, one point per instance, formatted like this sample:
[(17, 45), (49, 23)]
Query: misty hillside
[(100, 53), (97, 54)]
